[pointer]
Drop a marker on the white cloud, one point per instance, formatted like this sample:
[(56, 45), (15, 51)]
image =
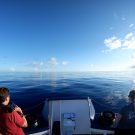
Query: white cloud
[(53, 61), (65, 63), (50, 64), (129, 35), (131, 25), (112, 43), (36, 66), (128, 42)]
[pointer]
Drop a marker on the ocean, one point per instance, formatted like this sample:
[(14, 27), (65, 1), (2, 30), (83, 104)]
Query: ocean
[(108, 90)]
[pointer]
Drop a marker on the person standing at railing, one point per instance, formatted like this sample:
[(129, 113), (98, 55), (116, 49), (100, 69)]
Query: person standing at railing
[(11, 116), (125, 119)]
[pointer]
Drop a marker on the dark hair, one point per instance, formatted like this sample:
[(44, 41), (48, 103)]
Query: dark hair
[(4, 93)]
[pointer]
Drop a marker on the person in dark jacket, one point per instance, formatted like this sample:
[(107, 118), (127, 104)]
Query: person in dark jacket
[(125, 119)]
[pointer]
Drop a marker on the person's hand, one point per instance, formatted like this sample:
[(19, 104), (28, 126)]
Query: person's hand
[(18, 109)]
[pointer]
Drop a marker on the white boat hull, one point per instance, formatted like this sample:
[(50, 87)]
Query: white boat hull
[(73, 116)]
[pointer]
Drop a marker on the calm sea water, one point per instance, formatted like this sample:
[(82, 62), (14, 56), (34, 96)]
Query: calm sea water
[(108, 90)]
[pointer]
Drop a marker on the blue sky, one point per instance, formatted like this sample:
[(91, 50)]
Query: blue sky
[(67, 35)]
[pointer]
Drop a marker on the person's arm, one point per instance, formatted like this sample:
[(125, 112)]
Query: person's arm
[(20, 112), (25, 123)]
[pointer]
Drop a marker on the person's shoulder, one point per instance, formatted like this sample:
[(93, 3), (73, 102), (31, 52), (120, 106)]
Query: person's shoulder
[(15, 113)]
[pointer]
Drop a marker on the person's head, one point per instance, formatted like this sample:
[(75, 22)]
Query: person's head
[(132, 95), (4, 96)]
